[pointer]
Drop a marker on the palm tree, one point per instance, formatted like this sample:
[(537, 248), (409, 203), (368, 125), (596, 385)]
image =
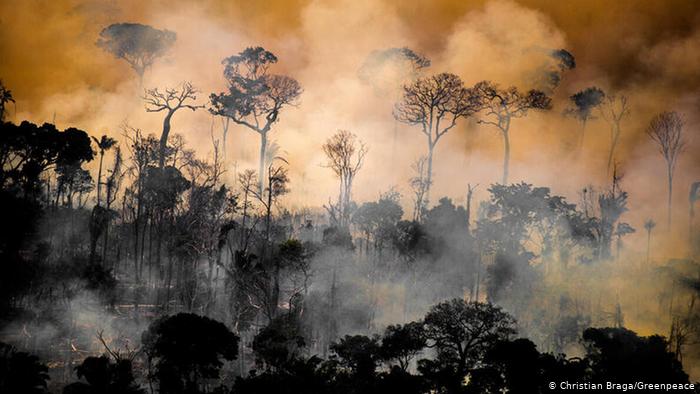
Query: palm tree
[(5, 97), (649, 225), (104, 144)]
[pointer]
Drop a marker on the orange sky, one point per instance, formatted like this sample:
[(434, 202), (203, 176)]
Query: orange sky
[(647, 50)]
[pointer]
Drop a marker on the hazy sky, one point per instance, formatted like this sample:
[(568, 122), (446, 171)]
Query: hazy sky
[(647, 50)]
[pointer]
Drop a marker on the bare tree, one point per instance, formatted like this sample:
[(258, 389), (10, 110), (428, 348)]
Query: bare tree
[(666, 130), (419, 185), (139, 45), (171, 100), (614, 109), (435, 104), (500, 106), (345, 157), (255, 97)]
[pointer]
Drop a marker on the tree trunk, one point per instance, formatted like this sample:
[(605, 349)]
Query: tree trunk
[(429, 178), (506, 156), (670, 195), (99, 176), (261, 167), (164, 138), (613, 144)]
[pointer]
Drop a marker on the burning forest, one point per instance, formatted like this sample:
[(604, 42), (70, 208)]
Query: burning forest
[(349, 197)]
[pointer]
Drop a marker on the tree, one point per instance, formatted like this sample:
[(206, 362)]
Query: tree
[(139, 45), (402, 342), (358, 353), (500, 106), (614, 109), (255, 97), (5, 97), (649, 225), (186, 350), (21, 372), (346, 155), (620, 355), (104, 377), (435, 104), (666, 130), (462, 332), (170, 101), (419, 186), (584, 102), (104, 144), (27, 150)]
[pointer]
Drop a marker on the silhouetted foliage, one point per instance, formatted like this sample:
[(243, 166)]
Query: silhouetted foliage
[(186, 350), (139, 45), (104, 377), (21, 372)]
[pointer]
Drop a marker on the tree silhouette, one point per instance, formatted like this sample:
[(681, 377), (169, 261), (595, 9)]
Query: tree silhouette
[(345, 155), (5, 97), (583, 103), (620, 355), (614, 108), (666, 130), (139, 45), (435, 104), (104, 144), (186, 350), (104, 377), (27, 150), (462, 332), (500, 106), (21, 372), (402, 342), (170, 101), (255, 97)]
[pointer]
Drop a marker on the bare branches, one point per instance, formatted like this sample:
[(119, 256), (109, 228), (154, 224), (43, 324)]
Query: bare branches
[(435, 103), (666, 130), (345, 155), (171, 99)]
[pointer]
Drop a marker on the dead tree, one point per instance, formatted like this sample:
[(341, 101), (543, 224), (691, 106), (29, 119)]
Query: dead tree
[(614, 109), (435, 104), (500, 106), (170, 101), (346, 154), (666, 130)]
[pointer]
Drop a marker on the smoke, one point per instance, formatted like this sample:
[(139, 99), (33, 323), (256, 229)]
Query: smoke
[(49, 60)]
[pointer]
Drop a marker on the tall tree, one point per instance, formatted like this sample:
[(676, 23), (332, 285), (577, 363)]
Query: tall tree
[(255, 97), (139, 45), (500, 106), (104, 144), (435, 104), (5, 97), (614, 108), (583, 103), (170, 101), (345, 157), (666, 130)]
